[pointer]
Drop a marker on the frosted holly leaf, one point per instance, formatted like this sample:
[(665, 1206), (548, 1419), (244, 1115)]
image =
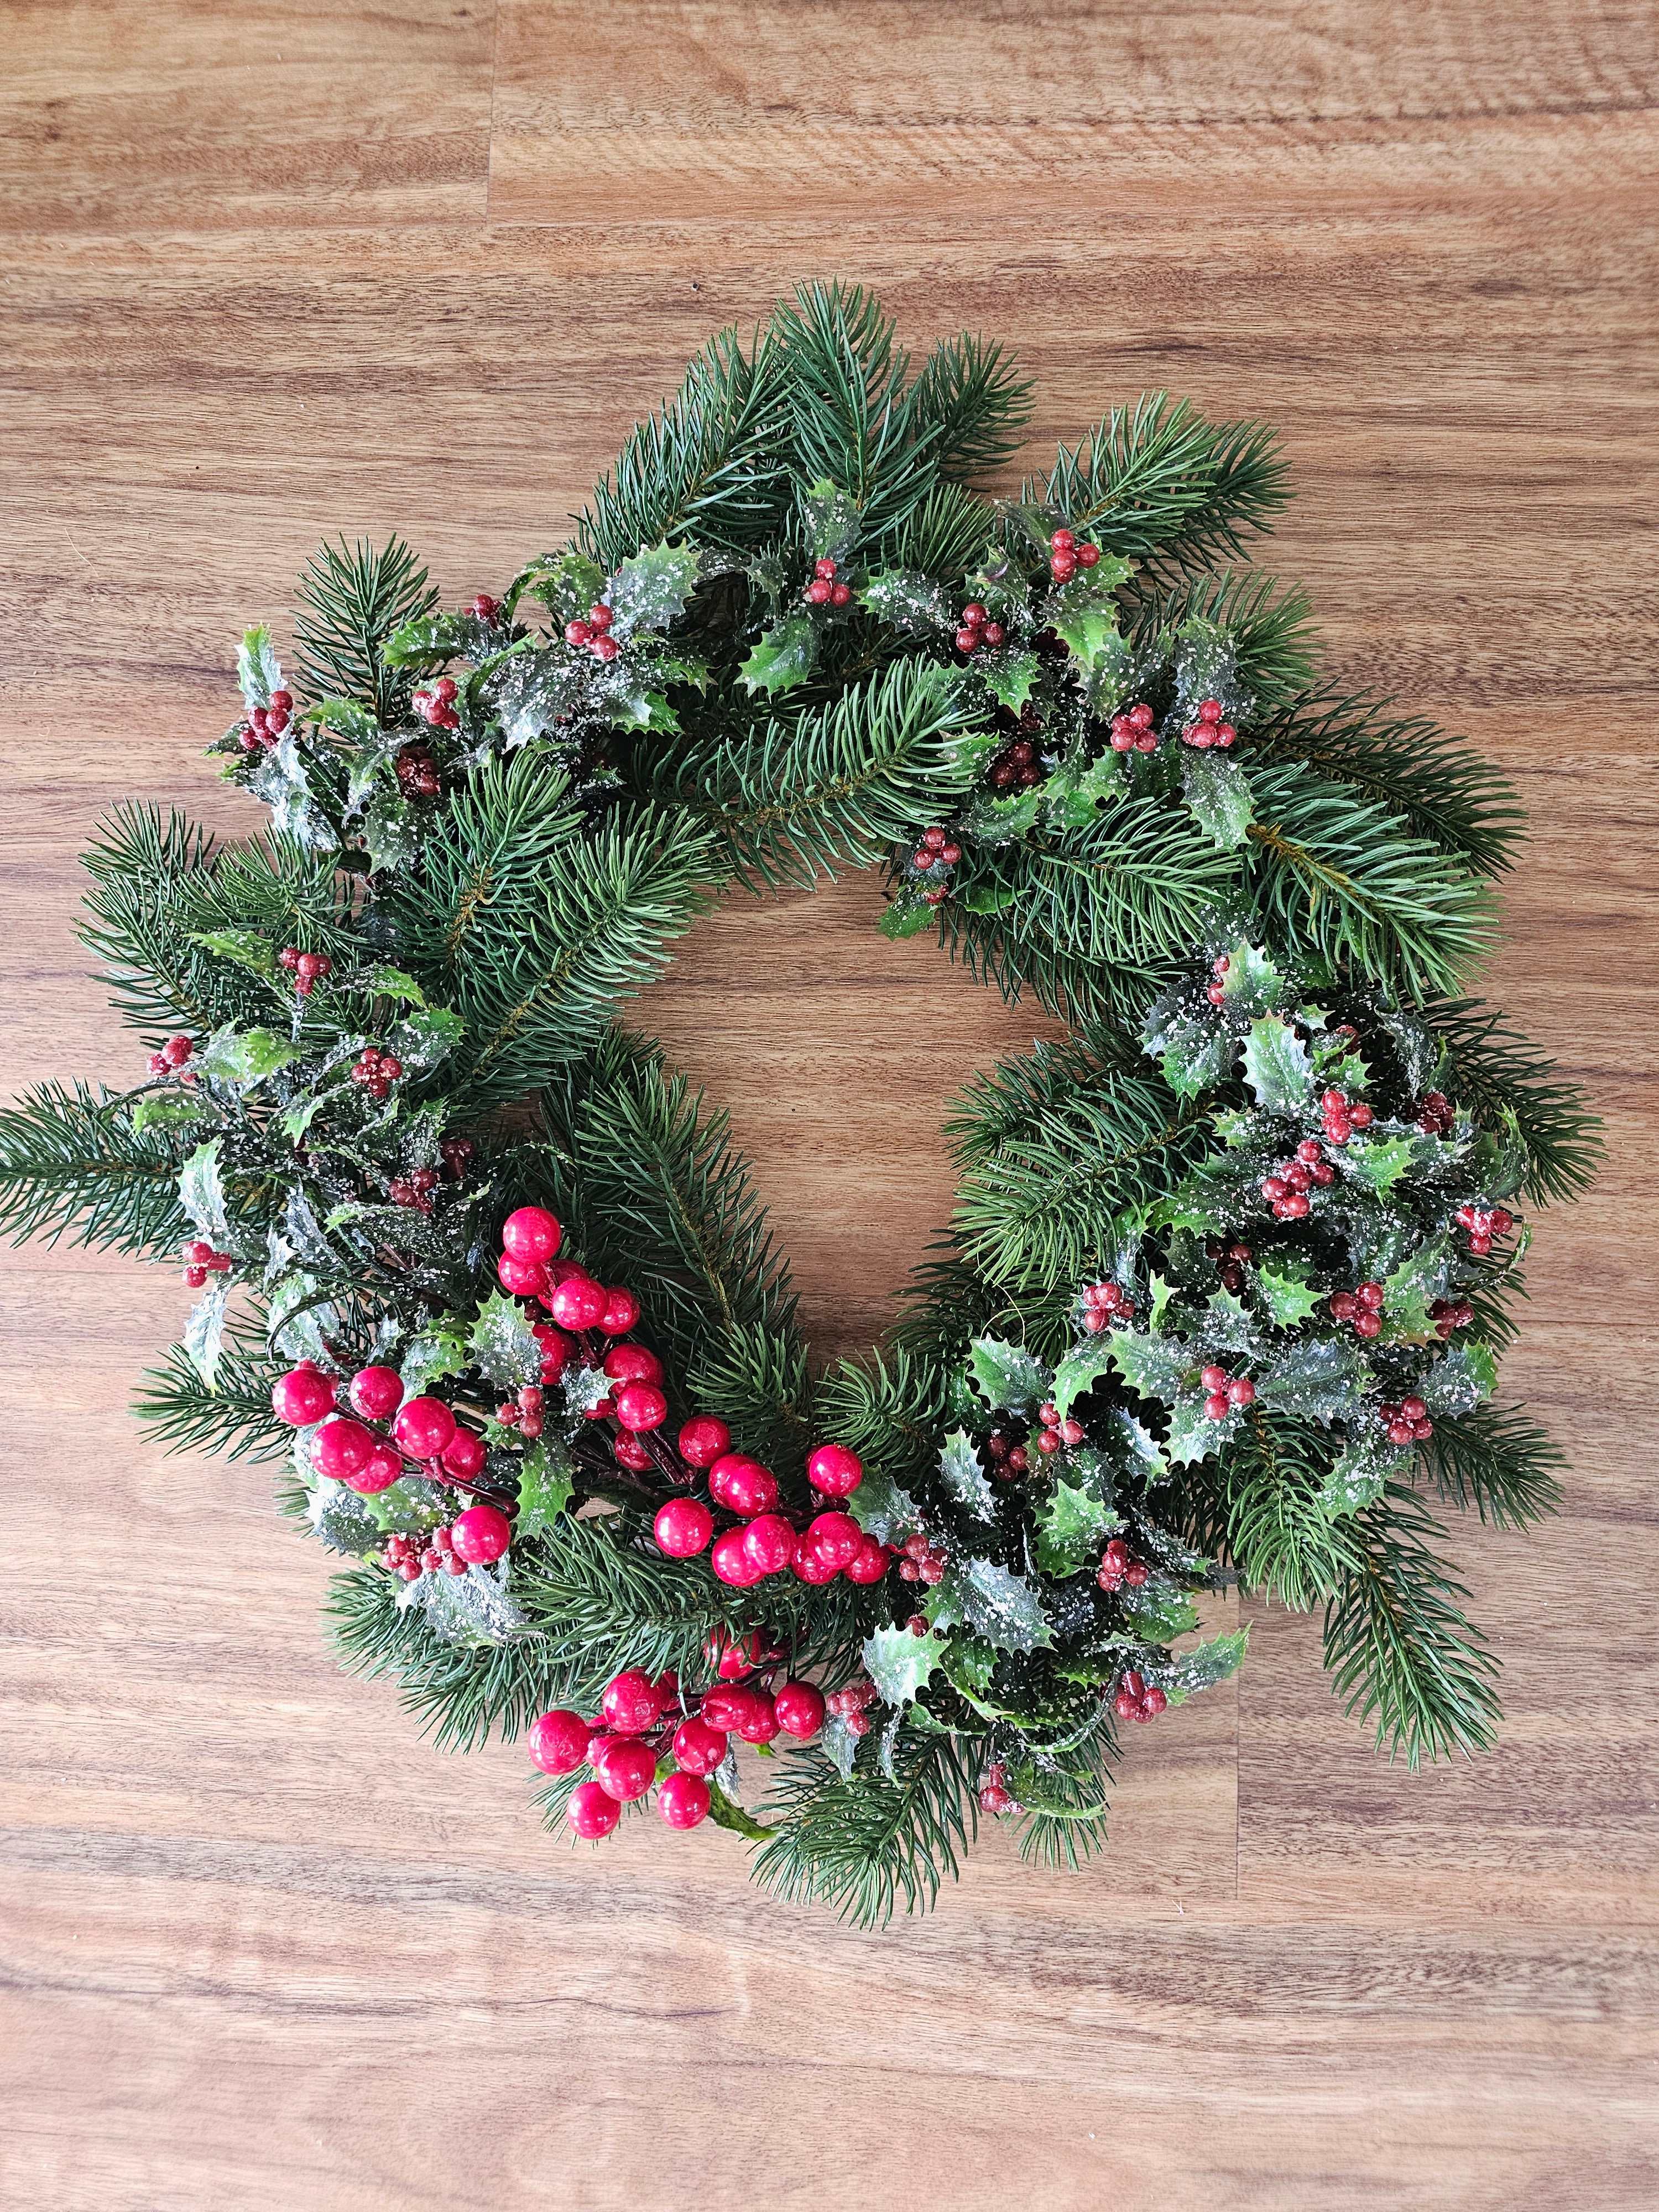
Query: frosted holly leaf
[(1205, 667), (626, 692), (1286, 1295), (998, 1605), (544, 1487), (1079, 1372), (1252, 985), (1418, 1051), (246, 947), (832, 519), (1194, 1052), (997, 822), (1074, 794), (425, 1037), (1277, 1067), (1227, 1326), (202, 1195), (969, 1662), (1320, 1380), (964, 1477), (430, 1358), (244, 1057), (1411, 1288), (584, 1388), (1160, 1613), (1162, 1293), (257, 668), (1009, 674), (898, 1663), (1459, 1379), (785, 656), (535, 690), (1376, 1163), (408, 1505), (500, 1345), (1360, 1473), (340, 1519), (651, 589), (281, 780), (1200, 1669), (1152, 1366), (939, 1608), (908, 914), (169, 1110), (1084, 613), (304, 1231), (881, 1509), (838, 1745), (887, 1743), (1072, 1527), (909, 601), (566, 583), (369, 766), (296, 1319), (204, 1332), (1193, 1435), (474, 1609), (1218, 796), (725, 1811), (1005, 1375), (385, 982), (1144, 1448)]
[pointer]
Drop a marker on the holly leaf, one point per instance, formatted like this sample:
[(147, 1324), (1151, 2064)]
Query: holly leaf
[(246, 947), (1412, 1287), (584, 1388), (257, 668), (1376, 1163), (501, 1345), (170, 1109), (1141, 1446), (535, 690), (244, 1057), (1160, 1613), (1252, 985), (1218, 796), (430, 1358), (907, 916), (898, 1663), (969, 1662), (785, 655), (996, 1604), (1010, 675), (881, 1509), (1360, 1474), (202, 1195), (1002, 821), (1194, 1053), (421, 1039), (1277, 1067), (544, 1488), (832, 519), (1079, 1372), (1460, 1379), (1286, 1295), (294, 1324), (1005, 1375), (964, 1477), (1193, 1435), (726, 1813), (650, 590), (839, 1745), (1074, 793), (1085, 614), (1152, 1366), (472, 1610), (1071, 1528), (1320, 1380), (341, 1521), (391, 831), (909, 601), (204, 1332), (1201, 1668)]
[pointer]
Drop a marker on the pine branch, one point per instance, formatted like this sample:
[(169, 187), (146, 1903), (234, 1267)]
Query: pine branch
[(942, 535), (1498, 1070), (1258, 1504), (233, 1418), (968, 391), (1064, 1800), (755, 1379), (71, 1164), (1497, 1461), (351, 598), (853, 423), (1010, 950), (1270, 631), (889, 1409), (1398, 1645), (1161, 484)]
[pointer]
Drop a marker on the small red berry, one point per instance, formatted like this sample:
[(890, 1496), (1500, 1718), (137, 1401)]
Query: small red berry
[(578, 1303), (682, 1528), (703, 1440), (641, 1406), (699, 1748), (558, 1741), (683, 1799), (592, 1813), (869, 1563), (423, 1427), (624, 1768), (799, 1708), (531, 1233)]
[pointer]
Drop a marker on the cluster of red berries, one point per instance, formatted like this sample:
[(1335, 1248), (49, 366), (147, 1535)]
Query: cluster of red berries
[(1105, 1304), (1135, 1702), (172, 1056), (413, 1191), (1016, 764), (417, 772), (1286, 1187), (994, 1792), (1225, 1391), (937, 849), (1056, 1434), (1066, 556), (307, 969), (1362, 1307), (1209, 729), (437, 1554), (437, 706), (1406, 1423), (1230, 1260), (1008, 1457), (1448, 1313), (1341, 1118), (1118, 1570), (523, 1413), (1483, 1223), (201, 1261), (851, 1706), (376, 1071), (1435, 1116), (1133, 732), (266, 723), (1216, 993), (977, 629), (823, 591), (923, 1561), (594, 633)]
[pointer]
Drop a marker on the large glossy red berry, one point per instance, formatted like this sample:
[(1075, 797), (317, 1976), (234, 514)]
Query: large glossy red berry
[(377, 1392), (728, 1704), (641, 1406), (769, 1543), (683, 1799), (810, 1563), (591, 1811), (732, 1661), (731, 1563), (698, 1746), (302, 1397), (621, 1311), (632, 1452), (837, 1537), (759, 1723), (682, 1528), (559, 1741), (578, 1303), (742, 1484), (703, 1440), (340, 1446), (632, 1363), (631, 1702), (799, 1707), (869, 1563), (835, 1470), (480, 1534), (531, 1233), (423, 1427), (520, 1279), (464, 1454)]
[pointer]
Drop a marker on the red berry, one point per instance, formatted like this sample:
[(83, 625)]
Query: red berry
[(731, 1563), (1371, 1295), (703, 1440), (1412, 1409), (835, 1470), (1062, 541), (601, 616), (1063, 567), (340, 1446), (819, 592), (480, 1534), (624, 1768), (632, 1702), (464, 1454), (683, 1799), (622, 1312), (840, 595), (577, 1302), (641, 1406), (604, 648), (302, 1397), (869, 1563), (799, 1707), (1216, 1406), (823, 567), (1213, 1378), (558, 1741), (377, 1472), (699, 1748), (520, 1279), (1360, 1115), (743, 1484), (629, 1452), (838, 1536), (1367, 1324), (759, 1723), (811, 1565), (577, 633), (423, 1427), (592, 1813), (769, 1543), (531, 1233), (993, 634), (1242, 1392), (682, 1528), (632, 1363), (728, 1704)]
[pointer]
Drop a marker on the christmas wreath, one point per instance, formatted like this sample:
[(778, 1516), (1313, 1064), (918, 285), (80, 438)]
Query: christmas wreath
[(1230, 1270)]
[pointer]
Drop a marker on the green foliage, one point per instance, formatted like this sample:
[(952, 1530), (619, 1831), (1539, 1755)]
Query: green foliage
[(1499, 1071), (72, 1162), (351, 600), (233, 1417)]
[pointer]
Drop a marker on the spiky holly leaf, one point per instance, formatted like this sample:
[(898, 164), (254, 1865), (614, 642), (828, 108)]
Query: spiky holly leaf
[(907, 916), (1412, 1287), (1160, 1613), (1320, 1380), (832, 517), (423, 1038), (785, 655), (1072, 1526), (544, 1488), (1219, 795), (964, 1477), (202, 1195), (391, 831), (1073, 794), (1361, 1474), (584, 1388), (169, 1110), (997, 822), (969, 1662), (881, 1509), (1277, 1067), (1202, 1668), (1144, 1452), (257, 668), (1195, 1053), (204, 1332), (429, 1359), (341, 1520), (839, 1745), (650, 590), (1377, 1163), (1252, 985), (1154, 1366), (1282, 1284), (998, 1605), (1010, 675), (909, 601), (1193, 1435), (725, 1811), (246, 947), (297, 1316), (898, 1663), (1005, 1375), (1459, 1379), (472, 1610), (500, 1345), (244, 1057), (1084, 613), (1079, 1372)]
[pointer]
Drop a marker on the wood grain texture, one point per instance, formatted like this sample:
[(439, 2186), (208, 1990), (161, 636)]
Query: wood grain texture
[(269, 271)]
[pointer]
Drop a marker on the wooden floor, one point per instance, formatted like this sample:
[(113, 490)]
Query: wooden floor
[(271, 270)]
